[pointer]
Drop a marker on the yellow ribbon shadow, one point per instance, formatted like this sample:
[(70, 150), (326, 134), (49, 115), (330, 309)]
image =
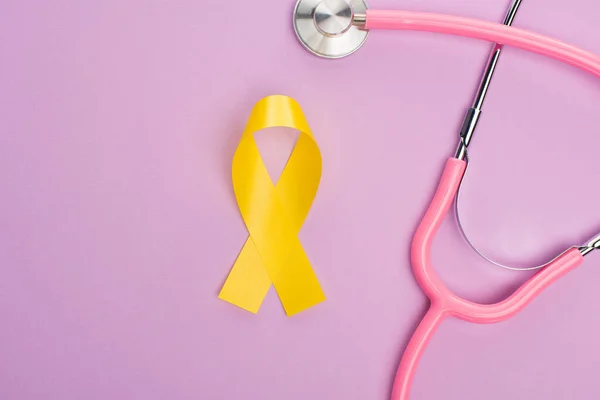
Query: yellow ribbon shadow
[(274, 214)]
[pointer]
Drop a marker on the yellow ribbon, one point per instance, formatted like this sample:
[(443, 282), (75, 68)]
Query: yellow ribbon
[(274, 214)]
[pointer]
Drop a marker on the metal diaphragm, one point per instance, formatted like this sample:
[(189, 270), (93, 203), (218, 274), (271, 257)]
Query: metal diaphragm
[(326, 29)]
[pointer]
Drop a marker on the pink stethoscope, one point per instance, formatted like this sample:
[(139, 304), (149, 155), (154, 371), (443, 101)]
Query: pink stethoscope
[(337, 28)]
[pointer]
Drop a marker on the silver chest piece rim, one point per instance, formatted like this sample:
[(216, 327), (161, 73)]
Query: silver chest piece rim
[(326, 28)]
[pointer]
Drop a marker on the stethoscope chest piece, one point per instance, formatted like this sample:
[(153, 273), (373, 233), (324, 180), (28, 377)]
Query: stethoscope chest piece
[(327, 27)]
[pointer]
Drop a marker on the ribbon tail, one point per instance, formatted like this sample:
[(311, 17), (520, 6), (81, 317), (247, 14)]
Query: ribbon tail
[(248, 282), (297, 286)]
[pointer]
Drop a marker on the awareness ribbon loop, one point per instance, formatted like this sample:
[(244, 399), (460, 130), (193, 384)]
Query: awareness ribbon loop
[(274, 214)]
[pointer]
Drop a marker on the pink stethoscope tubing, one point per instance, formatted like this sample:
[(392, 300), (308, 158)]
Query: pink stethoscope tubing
[(484, 30), (444, 303)]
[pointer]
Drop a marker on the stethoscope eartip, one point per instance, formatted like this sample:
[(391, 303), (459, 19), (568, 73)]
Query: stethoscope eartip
[(328, 28)]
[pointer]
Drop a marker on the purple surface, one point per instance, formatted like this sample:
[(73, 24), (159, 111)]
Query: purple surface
[(118, 224)]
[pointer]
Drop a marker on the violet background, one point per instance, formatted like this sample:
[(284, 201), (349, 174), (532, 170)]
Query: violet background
[(118, 225)]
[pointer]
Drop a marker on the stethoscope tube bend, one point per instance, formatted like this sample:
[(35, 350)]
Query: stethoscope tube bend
[(484, 30), (444, 303)]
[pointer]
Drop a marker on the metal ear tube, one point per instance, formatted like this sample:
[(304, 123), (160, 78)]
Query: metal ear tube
[(592, 245), (473, 114)]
